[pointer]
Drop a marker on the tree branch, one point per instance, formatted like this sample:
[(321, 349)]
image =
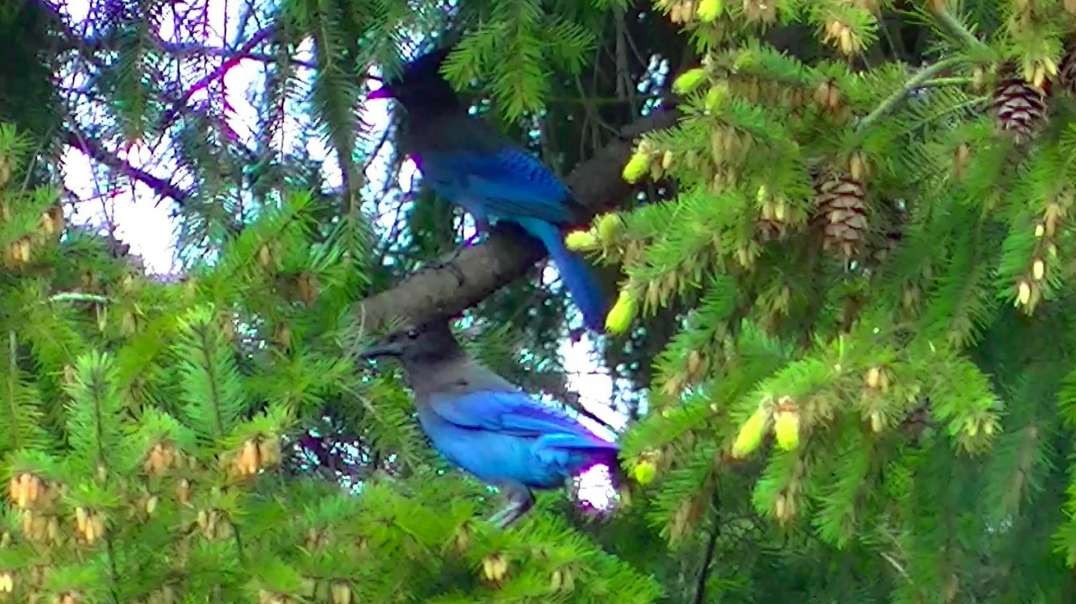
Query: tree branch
[(894, 100), (177, 49), (93, 148), (946, 19), (477, 272), (708, 555), (233, 60)]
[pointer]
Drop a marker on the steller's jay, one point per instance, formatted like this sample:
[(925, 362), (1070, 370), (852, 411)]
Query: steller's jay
[(485, 425), (469, 163)]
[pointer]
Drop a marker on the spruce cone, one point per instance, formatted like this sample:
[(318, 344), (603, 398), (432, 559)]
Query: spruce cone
[(1020, 107), (769, 230), (841, 210), (1066, 73), (772, 223)]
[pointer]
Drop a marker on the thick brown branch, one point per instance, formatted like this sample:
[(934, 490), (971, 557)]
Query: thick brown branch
[(481, 270)]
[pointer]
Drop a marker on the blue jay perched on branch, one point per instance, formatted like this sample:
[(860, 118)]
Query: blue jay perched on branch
[(472, 165), (487, 426)]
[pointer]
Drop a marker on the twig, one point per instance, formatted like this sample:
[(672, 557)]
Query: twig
[(240, 54), (624, 88), (179, 50), (954, 81), (955, 27), (898, 96), (708, 557), (891, 40), (78, 297), (94, 149), (13, 378), (897, 565), (588, 101)]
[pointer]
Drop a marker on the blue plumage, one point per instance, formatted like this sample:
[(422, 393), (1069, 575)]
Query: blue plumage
[(581, 282), (469, 163), (508, 436), (486, 425), (504, 182)]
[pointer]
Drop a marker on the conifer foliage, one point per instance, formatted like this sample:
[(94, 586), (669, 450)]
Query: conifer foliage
[(144, 435), (210, 437), (867, 253)]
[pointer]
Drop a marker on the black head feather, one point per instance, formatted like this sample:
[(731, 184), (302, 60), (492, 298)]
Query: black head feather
[(430, 342), (421, 89)]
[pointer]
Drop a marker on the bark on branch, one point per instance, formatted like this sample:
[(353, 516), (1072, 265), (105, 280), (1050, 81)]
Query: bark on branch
[(444, 291)]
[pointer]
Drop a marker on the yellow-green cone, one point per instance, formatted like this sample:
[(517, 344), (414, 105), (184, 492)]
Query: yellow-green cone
[(787, 428), (689, 80), (750, 435), (644, 472), (716, 96), (710, 10), (622, 314), (636, 167), (578, 241), (608, 227)]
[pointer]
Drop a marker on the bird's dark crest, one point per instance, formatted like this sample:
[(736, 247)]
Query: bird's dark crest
[(425, 67), (422, 89)]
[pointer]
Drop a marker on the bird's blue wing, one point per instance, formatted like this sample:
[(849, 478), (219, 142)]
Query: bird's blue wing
[(516, 414), (508, 182), (507, 437)]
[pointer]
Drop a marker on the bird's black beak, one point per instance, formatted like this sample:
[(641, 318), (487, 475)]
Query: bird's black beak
[(381, 350)]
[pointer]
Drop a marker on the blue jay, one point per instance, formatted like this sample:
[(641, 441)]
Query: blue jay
[(470, 164), (487, 426)]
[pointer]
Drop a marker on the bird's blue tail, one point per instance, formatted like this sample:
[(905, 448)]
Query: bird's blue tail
[(578, 277)]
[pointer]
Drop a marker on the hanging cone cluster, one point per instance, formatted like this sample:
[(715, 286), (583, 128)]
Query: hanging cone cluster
[(769, 230), (1019, 107), (773, 220), (680, 11), (841, 212)]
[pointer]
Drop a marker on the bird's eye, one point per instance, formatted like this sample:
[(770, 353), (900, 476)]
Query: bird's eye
[(412, 333)]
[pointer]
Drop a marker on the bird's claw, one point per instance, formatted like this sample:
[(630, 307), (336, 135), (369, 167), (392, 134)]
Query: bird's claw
[(450, 265), (515, 509), (504, 518), (450, 262)]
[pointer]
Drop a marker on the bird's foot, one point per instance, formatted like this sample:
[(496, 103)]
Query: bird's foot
[(516, 508), (481, 225), (512, 512), (450, 262), (470, 241), (576, 335)]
